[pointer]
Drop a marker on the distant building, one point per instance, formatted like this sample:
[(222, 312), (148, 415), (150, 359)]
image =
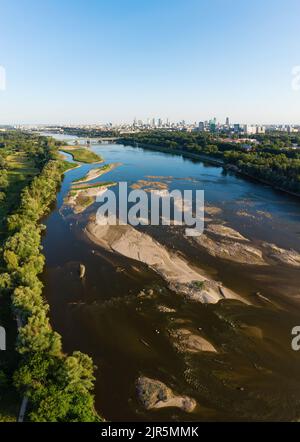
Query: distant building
[(227, 123), (213, 125), (201, 126), (292, 129), (249, 130), (260, 130), (236, 128)]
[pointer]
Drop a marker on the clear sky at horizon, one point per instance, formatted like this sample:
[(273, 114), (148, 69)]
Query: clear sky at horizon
[(112, 60)]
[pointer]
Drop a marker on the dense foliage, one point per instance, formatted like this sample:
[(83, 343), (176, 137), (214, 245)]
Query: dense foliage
[(59, 387), (22, 156), (272, 159)]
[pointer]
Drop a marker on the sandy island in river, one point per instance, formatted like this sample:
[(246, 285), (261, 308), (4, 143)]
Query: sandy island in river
[(180, 275), (96, 173), (82, 194), (226, 243), (154, 394), (144, 184), (81, 198)]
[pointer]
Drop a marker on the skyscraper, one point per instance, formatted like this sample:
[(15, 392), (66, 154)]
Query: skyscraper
[(213, 125), (201, 126), (237, 128)]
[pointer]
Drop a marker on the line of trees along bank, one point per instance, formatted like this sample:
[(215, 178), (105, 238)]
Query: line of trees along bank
[(271, 161), (59, 387)]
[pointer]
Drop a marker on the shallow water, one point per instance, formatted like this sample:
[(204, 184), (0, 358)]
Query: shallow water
[(255, 375)]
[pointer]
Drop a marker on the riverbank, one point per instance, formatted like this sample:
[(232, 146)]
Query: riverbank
[(214, 161), (28, 161), (195, 156), (37, 343)]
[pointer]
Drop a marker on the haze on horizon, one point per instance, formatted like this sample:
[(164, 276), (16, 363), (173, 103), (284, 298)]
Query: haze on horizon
[(98, 61)]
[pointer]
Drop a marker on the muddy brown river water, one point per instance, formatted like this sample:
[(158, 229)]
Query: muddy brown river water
[(127, 318)]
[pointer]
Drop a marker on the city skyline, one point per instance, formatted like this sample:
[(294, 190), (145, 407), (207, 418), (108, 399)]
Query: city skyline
[(114, 61), (158, 122)]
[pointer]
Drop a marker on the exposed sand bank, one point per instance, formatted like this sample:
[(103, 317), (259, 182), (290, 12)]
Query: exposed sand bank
[(96, 173), (186, 341), (211, 210), (154, 394), (226, 243), (144, 184), (226, 248), (165, 309), (81, 199), (180, 276), (160, 177), (81, 195), (225, 231), (287, 257)]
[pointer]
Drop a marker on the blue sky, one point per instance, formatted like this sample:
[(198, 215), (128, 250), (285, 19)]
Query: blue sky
[(112, 60)]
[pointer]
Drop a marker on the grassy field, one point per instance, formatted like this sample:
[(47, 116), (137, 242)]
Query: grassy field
[(68, 166), (82, 155), (20, 172)]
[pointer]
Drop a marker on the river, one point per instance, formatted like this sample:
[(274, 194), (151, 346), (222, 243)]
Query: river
[(255, 374)]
